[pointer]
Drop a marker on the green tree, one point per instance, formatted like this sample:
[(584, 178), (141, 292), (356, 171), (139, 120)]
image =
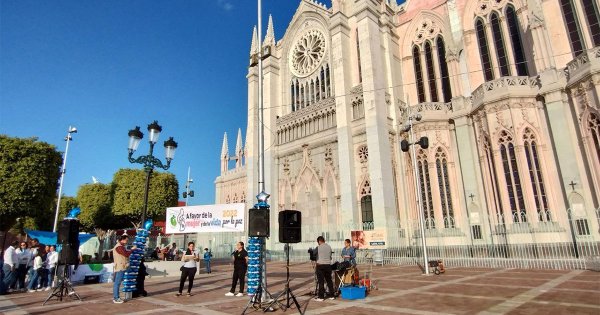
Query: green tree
[(128, 198), (29, 170), (95, 202), (45, 221)]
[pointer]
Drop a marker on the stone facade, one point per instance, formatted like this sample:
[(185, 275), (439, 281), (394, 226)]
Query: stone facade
[(508, 91)]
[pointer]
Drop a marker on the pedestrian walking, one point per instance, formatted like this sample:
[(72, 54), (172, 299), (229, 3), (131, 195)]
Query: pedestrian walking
[(207, 258)]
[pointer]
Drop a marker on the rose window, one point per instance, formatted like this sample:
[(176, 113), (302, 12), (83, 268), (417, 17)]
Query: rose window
[(307, 53)]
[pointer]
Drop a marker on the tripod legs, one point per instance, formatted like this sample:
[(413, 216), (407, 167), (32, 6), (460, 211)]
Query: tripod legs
[(64, 288)]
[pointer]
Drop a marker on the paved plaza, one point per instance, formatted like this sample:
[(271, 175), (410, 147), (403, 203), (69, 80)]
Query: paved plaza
[(400, 290)]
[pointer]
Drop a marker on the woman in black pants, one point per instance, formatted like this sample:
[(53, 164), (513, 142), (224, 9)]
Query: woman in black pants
[(188, 270), (240, 266)]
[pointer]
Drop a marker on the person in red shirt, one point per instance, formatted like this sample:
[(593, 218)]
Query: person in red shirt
[(121, 261)]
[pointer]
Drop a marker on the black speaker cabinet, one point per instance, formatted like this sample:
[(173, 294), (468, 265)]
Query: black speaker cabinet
[(290, 226), (258, 222), (68, 232), (69, 254)]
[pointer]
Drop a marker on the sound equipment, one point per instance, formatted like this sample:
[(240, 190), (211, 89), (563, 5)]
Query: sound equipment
[(68, 237), (68, 232), (258, 222), (69, 254), (290, 222)]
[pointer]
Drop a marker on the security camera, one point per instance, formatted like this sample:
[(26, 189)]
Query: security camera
[(72, 130)]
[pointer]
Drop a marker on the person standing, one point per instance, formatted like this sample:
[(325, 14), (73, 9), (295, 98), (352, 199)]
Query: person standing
[(240, 266), (34, 281), (51, 261), (121, 262), (323, 269), (207, 257), (189, 268), (11, 262), (173, 252), (24, 258)]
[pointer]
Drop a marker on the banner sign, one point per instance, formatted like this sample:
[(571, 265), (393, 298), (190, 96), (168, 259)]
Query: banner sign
[(208, 218), (374, 239)]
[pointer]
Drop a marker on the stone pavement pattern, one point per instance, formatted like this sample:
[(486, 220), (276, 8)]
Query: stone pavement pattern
[(400, 290)]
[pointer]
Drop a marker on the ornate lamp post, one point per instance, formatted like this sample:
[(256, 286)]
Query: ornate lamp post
[(424, 143), (149, 161), (63, 170)]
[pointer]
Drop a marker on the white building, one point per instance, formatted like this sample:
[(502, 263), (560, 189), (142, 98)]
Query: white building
[(509, 94)]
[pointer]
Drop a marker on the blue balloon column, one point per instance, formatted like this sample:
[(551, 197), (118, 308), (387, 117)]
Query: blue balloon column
[(130, 278), (254, 270)]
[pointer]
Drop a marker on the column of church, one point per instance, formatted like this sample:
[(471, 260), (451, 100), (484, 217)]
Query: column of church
[(376, 113), (340, 43)]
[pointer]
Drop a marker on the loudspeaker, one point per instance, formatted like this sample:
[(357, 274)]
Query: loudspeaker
[(69, 254), (68, 232), (258, 222), (290, 226)]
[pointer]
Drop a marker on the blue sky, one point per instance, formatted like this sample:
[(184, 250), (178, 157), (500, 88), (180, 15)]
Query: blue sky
[(107, 66)]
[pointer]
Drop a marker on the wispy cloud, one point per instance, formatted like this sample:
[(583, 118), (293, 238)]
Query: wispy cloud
[(225, 5)]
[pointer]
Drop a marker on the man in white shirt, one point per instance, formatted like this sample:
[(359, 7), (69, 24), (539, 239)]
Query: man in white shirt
[(51, 261), (24, 258), (11, 262)]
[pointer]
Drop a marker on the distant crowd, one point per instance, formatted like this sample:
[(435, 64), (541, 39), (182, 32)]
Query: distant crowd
[(28, 266)]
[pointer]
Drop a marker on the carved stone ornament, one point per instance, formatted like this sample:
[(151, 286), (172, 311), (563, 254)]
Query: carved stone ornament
[(363, 154), (484, 7), (307, 53), (328, 155), (427, 29)]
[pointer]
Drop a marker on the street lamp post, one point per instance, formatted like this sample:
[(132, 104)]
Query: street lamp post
[(188, 193), (424, 143), (63, 170), (149, 161)]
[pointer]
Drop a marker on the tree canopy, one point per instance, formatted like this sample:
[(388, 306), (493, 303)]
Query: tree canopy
[(128, 197), (29, 170), (95, 202)]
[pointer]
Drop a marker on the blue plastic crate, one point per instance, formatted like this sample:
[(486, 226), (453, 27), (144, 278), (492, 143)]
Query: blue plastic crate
[(353, 293)]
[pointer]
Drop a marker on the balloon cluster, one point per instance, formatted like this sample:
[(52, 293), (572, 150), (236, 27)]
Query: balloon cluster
[(254, 249), (130, 278)]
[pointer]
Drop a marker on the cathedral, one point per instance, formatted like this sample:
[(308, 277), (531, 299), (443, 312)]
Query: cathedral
[(505, 92)]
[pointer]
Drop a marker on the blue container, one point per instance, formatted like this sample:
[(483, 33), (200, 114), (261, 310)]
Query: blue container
[(353, 293)]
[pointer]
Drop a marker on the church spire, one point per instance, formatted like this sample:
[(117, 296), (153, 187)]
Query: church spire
[(238, 144), (225, 148), (270, 37), (239, 152), (254, 47), (224, 155)]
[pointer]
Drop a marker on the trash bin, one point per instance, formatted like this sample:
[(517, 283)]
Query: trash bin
[(378, 257)]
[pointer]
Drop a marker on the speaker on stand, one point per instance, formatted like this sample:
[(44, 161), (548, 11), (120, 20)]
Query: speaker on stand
[(68, 237), (258, 222), (290, 231)]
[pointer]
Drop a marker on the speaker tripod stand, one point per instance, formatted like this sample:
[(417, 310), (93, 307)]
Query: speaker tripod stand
[(64, 287), (287, 292)]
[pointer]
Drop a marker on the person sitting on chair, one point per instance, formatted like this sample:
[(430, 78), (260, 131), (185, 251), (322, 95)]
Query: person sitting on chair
[(349, 253)]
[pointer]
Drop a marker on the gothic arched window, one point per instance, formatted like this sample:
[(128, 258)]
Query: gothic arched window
[(484, 51), (425, 184), (441, 165), (513, 178), (491, 169), (535, 175), (366, 207), (430, 72), (445, 76), (593, 20), (514, 30), (418, 74), (572, 23), (499, 45)]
